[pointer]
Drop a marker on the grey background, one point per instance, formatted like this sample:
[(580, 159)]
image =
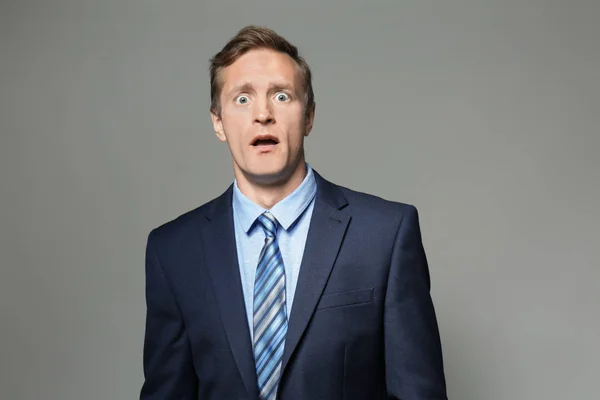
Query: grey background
[(484, 114)]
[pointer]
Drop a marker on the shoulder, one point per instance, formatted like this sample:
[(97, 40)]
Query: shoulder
[(382, 217), (180, 227), (375, 206), (369, 210)]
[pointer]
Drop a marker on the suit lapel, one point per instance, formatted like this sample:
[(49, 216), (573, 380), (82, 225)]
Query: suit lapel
[(326, 232), (325, 235), (220, 251)]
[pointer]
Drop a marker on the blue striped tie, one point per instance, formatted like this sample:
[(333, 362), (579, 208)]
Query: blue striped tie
[(270, 317)]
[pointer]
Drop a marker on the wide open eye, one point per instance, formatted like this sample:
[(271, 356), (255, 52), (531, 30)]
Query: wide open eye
[(242, 99), (282, 96)]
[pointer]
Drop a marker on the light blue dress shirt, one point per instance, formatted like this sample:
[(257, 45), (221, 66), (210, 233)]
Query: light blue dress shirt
[(293, 214)]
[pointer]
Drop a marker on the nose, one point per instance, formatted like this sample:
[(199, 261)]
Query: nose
[(262, 112)]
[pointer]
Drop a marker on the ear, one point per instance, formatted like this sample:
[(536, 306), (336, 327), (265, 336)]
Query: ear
[(217, 125), (310, 117)]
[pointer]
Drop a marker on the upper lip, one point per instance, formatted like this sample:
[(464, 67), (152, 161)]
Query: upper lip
[(263, 137)]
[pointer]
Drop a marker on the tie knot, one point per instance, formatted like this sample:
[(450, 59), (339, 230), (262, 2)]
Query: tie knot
[(269, 223)]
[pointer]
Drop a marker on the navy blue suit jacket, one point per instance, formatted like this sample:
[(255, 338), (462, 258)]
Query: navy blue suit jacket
[(362, 325)]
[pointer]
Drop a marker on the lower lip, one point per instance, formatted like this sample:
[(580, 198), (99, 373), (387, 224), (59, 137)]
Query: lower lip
[(265, 148)]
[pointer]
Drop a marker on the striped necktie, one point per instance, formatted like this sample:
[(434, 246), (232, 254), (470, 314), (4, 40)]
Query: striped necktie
[(270, 319)]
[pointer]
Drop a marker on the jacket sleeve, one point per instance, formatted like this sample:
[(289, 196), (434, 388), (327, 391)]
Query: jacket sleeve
[(413, 354), (168, 369)]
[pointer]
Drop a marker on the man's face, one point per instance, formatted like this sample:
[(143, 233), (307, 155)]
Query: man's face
[(263, 117)]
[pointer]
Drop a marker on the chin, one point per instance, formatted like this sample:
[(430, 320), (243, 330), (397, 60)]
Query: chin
[(268, 175)]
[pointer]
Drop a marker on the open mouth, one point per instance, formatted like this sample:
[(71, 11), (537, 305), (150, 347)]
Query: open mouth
[(265, 141)]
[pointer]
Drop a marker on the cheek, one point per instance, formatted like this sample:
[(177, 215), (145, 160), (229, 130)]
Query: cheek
[(293, 119), (235, 126)]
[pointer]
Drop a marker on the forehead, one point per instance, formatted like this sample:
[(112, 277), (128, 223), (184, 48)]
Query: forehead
[(261, 67)]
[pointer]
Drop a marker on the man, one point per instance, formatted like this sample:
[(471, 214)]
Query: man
[(286, 286)]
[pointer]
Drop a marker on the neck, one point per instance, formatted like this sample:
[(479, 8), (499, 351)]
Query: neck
[(268, 193)]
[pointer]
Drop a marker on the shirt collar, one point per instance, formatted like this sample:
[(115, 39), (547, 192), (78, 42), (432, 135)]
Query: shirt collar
[(286, 211)]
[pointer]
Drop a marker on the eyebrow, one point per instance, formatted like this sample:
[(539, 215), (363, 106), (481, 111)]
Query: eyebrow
[(248, 87)]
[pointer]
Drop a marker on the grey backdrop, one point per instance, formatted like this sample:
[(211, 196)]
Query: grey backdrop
[(484, 114)]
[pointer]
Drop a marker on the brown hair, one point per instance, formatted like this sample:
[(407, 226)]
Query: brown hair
[(249, 38)]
